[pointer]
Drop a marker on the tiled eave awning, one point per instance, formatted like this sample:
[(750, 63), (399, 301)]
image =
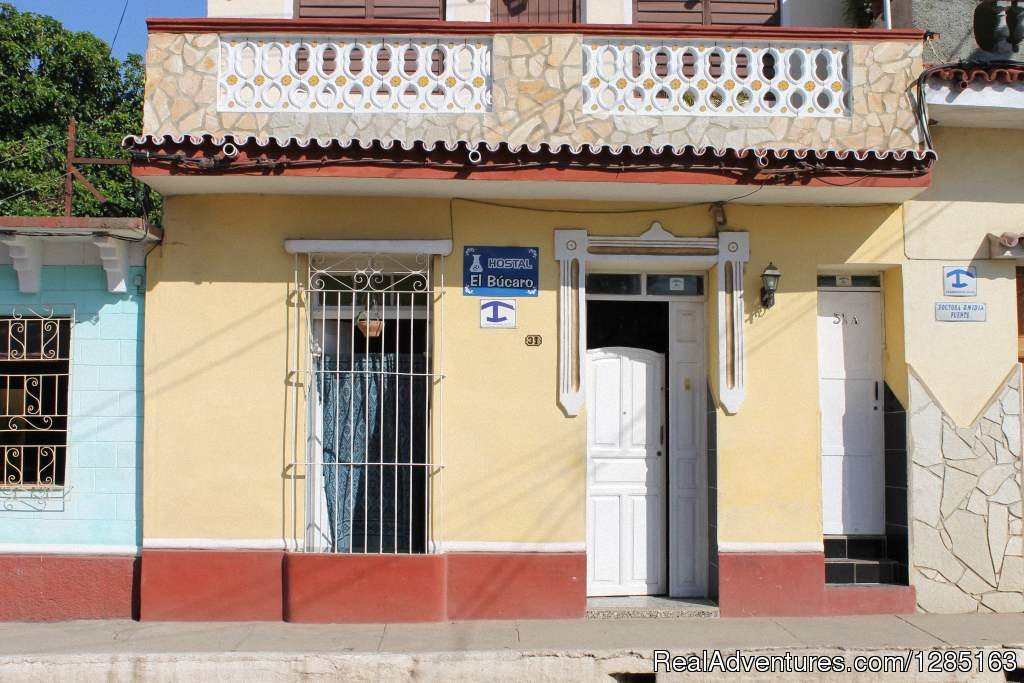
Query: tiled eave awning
[(962, 76), (230, 155)]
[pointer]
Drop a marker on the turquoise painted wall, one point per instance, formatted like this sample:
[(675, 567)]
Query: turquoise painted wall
[(102, 506)]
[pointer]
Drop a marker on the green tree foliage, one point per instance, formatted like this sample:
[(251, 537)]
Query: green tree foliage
[(49, 74)]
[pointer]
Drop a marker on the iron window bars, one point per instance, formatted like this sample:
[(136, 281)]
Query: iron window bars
[(368, 465), (35, 364)]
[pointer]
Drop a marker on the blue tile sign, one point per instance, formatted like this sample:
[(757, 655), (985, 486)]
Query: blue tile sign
[(500, 271)]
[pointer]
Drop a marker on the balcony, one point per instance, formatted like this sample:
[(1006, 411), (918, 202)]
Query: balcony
[(638, 85), (641, 89)]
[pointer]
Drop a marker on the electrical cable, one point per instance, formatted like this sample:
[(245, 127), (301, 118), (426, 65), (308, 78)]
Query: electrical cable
[(8, 198), (226, 167), (117, 31), (30, 151), (921, 108)]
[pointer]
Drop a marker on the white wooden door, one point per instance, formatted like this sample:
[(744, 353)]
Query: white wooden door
[(625, 472), (687, 498), (850, 393)]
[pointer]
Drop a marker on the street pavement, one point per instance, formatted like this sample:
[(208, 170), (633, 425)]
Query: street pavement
[(559, 650)]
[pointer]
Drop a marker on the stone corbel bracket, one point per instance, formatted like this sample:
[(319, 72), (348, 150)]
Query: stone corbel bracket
[(27, 259), (655, 249), (114, 257)]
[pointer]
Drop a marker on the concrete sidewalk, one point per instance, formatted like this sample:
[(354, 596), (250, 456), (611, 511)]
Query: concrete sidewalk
[(586, 650)]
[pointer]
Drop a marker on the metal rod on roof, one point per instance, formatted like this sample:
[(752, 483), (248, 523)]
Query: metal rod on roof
[(887, 13), (69, 180)]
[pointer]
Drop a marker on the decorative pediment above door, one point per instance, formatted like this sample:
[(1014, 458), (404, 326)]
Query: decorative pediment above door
[(655, 249)]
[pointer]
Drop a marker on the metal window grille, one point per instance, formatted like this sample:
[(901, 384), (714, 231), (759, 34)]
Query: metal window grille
[(369, 470), (35, 364)]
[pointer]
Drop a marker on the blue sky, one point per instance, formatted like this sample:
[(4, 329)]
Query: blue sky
[(100, 17)]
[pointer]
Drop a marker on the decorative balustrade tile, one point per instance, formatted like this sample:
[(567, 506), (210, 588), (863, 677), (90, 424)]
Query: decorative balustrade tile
[(354, 75), (715, 79)]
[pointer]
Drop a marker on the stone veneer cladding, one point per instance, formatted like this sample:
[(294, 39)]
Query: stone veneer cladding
[(537, 98), (966, 505)]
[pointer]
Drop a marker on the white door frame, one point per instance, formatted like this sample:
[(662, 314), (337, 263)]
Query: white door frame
[(701, 532)]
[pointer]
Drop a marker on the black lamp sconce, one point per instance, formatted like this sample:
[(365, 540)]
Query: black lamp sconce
[(769, 284)]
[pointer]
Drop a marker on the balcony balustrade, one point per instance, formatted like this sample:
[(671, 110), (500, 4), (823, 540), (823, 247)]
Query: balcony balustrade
[(435, 82)]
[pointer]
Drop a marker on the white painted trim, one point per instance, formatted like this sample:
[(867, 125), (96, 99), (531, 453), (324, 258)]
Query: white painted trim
[(571, 248), (213, 544), (574, 247), (526, 190), (980, 105), (733, 254), (114, 257), (66, 549), (442, 247), (506, 547), (27, 258), (743, 547)]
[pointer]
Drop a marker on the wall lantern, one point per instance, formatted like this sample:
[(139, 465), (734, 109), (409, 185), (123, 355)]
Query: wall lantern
[(769, 284)]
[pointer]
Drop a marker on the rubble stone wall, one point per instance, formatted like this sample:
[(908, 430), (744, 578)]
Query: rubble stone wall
[(536, 89), (966, 505)]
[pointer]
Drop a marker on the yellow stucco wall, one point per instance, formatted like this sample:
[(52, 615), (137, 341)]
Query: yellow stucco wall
[(895, 338), (220, 407), (975, 191), (769, 469)]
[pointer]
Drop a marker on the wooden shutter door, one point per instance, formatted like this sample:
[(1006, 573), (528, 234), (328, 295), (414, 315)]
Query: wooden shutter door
[(534, 11), (728, 12), (748, 12), (369, 9), (668, 12)]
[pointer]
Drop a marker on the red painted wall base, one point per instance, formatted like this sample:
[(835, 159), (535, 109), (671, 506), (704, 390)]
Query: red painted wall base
[(517, 585), (59, 587), (204, 585), (211, 585), (793, 585), (360, 589)]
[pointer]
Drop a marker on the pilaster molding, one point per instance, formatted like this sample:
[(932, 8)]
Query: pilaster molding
[(570, 251), (114, 257), (27, 259), (733, 254), (656, 248)]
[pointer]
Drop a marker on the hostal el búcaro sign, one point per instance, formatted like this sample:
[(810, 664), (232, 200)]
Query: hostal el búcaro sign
[(500, 271)]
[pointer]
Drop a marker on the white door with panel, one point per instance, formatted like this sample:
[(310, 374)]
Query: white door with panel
[(851, 387), (625, 472), (687, 501)]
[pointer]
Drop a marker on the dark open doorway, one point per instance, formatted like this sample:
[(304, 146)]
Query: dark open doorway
[(634, 324)]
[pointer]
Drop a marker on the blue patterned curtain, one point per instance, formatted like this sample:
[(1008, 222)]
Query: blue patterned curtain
[(374, 411)]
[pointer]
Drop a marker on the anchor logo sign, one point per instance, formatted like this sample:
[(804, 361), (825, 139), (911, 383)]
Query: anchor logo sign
[(499, 313), (959, 281)]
